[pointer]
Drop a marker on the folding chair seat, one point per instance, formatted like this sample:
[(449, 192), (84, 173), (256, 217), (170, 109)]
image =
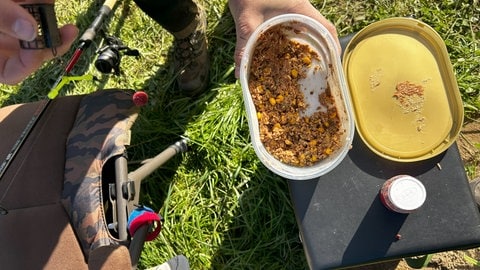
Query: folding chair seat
[(53, 192)]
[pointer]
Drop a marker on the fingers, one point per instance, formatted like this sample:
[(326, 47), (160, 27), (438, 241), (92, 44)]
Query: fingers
[(313, 13), (16, 22), (244, 29), (239, 49), (249, 14), (68, 33), (18, 64)]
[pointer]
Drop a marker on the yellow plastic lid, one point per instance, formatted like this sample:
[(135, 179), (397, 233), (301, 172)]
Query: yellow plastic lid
[(404, 93)]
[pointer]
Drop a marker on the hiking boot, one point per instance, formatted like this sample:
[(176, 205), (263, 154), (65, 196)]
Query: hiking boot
[(191, 58)]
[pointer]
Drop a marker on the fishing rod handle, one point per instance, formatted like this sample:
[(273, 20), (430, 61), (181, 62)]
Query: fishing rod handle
[(91, 32)]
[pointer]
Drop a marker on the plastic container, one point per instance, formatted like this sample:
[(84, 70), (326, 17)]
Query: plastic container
[(403, 194), (326, 72), (380, 58)]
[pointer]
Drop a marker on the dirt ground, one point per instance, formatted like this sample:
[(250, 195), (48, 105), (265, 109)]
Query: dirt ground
[(468, 144)]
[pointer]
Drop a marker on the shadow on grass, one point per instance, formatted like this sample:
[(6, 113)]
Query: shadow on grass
[(260, 231), (163, 122), (263, 233)]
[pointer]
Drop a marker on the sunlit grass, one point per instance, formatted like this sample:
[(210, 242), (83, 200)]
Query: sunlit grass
[(223, 209)]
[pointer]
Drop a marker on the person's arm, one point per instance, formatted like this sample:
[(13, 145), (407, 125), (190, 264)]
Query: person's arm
[(248, 14), (17, 24)]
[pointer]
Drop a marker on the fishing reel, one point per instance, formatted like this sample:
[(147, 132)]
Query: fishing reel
[(110, 56)]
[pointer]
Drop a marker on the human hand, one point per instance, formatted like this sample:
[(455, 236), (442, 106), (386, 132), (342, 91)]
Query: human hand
[(17, 24), (249, 14)]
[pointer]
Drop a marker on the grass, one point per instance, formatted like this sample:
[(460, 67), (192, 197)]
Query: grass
[(222, 208)]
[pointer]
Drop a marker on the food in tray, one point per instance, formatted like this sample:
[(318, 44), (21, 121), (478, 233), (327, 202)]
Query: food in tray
[(287, 131)]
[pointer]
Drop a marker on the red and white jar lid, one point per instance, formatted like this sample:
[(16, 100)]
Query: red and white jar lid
[(403, 194)]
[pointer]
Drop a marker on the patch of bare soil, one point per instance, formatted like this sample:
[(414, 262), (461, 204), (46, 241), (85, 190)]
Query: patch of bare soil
[(468, 144)]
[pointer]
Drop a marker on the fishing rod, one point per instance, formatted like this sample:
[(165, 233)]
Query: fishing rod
[(84, 42)]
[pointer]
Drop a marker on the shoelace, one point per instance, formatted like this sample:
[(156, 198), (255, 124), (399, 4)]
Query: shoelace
[(189, 48)]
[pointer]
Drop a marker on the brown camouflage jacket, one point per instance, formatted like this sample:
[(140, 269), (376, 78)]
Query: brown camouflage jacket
[(100, 132)]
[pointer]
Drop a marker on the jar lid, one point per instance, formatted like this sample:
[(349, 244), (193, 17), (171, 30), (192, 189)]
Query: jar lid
[(407, 193)]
